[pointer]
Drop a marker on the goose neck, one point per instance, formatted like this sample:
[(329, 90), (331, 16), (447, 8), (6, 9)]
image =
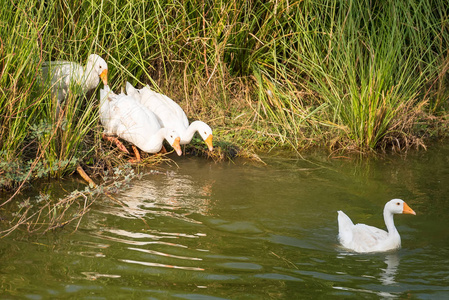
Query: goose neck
[(189, 133), (389, 222)]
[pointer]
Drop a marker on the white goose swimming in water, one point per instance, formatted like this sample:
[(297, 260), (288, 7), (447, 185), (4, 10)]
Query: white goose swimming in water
[(364, 238), (125, 117), (171, 115)]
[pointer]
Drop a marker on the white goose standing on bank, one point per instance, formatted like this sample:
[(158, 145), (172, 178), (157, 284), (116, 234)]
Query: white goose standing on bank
[(62, 75), (125, 117), (364, 238), (171, 115)]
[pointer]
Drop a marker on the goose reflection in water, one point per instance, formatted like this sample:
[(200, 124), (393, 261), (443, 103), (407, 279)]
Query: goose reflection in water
[(157, 199), (159, 195), (388, 275)]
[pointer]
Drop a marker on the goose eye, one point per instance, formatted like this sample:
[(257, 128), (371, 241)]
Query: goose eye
[(398, 203)]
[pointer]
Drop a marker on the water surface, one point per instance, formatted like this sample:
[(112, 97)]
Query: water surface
[(241, 230)]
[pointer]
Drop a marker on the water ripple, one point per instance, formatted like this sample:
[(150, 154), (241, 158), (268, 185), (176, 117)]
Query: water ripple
[(163, 254), (159, 265)]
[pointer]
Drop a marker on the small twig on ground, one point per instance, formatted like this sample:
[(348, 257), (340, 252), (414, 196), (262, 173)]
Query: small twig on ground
[(86, 177)]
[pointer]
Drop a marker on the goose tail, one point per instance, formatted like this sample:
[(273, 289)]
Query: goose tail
[(345, 227)]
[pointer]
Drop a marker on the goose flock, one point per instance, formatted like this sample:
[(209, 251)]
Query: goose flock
[(145, 118), (141, 117)]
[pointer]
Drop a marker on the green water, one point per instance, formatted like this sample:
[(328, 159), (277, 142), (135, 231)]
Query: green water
[(246, 231)]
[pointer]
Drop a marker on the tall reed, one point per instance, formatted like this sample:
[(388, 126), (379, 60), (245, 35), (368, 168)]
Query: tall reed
[(266, 73)]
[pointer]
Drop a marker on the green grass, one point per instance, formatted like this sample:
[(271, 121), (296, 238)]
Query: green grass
[(286, 74)]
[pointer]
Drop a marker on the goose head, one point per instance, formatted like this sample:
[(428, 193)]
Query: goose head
[(205, 132), (174, 140), (98, 66), (398, 206)]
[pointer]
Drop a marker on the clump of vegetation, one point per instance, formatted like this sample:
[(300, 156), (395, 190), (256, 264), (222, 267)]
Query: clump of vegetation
[(45, 212), (348, 75)]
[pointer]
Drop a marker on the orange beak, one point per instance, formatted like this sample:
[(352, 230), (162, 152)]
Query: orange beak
[(104, 76), (177, 146), (209, 142), (407, 210)]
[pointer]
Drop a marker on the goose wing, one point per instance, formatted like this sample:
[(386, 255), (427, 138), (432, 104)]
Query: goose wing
[(169, 113), (125, 117), (359, 237), (366, 238)]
